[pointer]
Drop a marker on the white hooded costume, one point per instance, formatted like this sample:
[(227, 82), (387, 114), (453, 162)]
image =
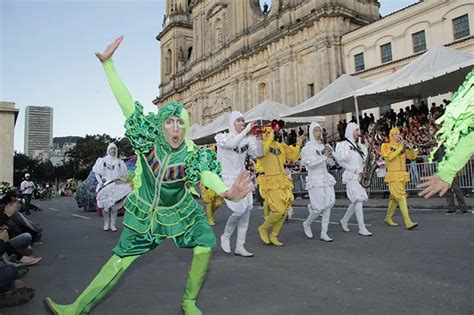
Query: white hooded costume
[(351, 156), (111, 195), (319, 183), (232, 150)]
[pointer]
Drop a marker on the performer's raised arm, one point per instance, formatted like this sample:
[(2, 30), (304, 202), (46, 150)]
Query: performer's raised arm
[(123, 96), (268, 143), (230, 141), (388, 154)]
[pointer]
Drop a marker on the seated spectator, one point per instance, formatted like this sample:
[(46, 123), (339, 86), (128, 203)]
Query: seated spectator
[(10, 294)]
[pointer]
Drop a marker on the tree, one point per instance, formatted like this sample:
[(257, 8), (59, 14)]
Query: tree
[(88, 149), (125, 148), (22, 164)]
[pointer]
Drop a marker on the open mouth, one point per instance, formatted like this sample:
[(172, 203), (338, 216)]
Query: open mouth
[(175, 139)]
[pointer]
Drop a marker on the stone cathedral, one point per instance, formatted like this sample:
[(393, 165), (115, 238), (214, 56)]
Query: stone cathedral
[(218, 55)]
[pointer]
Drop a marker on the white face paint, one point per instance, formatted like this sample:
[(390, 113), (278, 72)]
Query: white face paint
[(317, 133), (239, 124), (112, 151), (174, 128), (355, 134)]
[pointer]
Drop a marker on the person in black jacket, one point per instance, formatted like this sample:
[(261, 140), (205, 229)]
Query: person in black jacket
[(10, 293)]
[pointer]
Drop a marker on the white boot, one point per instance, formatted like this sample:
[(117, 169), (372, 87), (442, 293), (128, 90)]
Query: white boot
[(313, 215), (324, 226), (360, 220), (228, 230), (113, 219), (106, 215), (347, 217), (242, 227), (290, 213)]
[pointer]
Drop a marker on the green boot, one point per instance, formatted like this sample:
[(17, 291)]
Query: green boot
[(197, 272), (105, 280)]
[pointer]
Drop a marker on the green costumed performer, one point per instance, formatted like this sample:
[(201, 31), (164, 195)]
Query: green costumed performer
[(161, 205), (457, 135)]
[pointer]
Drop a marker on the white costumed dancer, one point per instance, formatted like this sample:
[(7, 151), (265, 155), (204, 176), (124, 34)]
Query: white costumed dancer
[(112, 190), (232, 150), (319, 183), (351, 156)]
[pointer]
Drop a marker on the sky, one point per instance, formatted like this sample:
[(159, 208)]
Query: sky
[(47, 59)]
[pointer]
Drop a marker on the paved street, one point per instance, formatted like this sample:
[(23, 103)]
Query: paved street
[(425, 271)]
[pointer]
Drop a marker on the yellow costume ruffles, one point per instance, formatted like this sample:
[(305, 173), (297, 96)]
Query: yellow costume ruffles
[(274, 185), (213, 202), (395, 155)]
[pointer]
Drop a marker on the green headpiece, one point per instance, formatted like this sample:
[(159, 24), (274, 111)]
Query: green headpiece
[(168, 110)]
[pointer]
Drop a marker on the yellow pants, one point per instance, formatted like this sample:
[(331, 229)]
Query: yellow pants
[(277, 191), (212, 205), (398, 197)]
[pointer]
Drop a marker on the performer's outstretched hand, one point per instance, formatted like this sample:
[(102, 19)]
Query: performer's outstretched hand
[(433, 185), (242, 186), (109, 51)]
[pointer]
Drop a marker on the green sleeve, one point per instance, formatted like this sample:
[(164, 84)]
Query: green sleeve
[(123, 96), (457, 158), (213, 182)]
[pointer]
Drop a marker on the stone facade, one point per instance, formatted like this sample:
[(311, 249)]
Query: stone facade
[(8, 116), (219, 55)]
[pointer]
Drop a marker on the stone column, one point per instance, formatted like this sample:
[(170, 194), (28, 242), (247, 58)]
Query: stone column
[(8, 115)]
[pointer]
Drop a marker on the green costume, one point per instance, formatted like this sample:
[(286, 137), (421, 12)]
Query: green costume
[(161, 205), (457, 131)]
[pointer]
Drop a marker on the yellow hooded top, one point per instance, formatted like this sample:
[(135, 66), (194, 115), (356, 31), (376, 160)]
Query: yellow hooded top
[(275, 154), (395, 156)]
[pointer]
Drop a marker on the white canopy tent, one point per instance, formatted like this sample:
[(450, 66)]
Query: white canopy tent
[(194, 130), (263, 112), (336, 98), (437, 71), (269, 110), (206, 134)]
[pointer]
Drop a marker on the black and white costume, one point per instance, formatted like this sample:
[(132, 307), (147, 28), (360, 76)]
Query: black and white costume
[(319, 183), (351, 156), (232, 150), (109, 170)]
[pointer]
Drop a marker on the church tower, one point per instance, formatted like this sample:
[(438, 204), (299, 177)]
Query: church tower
[(176, 39)]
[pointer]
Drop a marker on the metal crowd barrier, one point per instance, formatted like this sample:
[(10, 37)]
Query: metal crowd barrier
[(416, 170)]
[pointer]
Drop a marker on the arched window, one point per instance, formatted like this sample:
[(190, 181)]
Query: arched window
[(262, 92), (265, 6), (190, 51)]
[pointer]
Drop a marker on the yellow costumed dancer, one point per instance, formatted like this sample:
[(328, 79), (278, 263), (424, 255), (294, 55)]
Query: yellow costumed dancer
[(259, 170), (395, 152), (213, 202), (274, 185)]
